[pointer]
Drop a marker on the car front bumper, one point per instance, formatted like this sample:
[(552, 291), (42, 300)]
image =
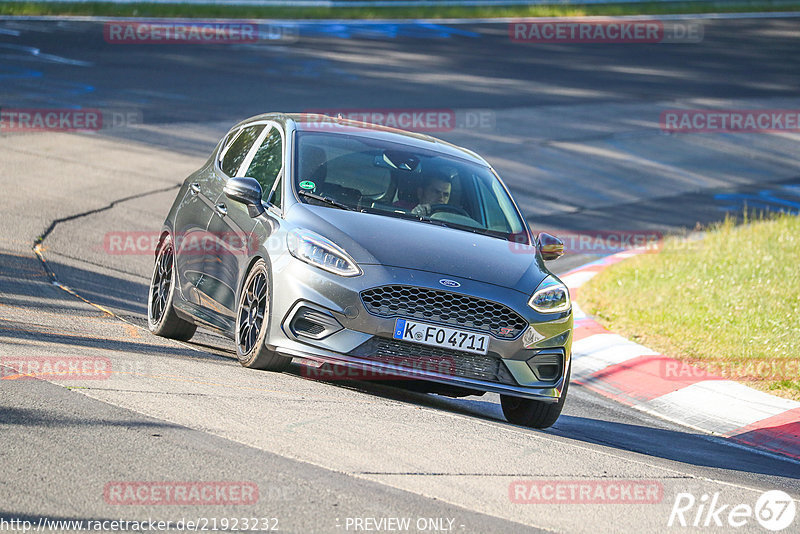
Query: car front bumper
[(327, 323)]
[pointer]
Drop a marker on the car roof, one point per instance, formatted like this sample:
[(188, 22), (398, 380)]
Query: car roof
[(336, 125)]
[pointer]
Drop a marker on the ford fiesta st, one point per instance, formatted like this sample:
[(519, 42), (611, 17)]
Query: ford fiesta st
[(343, 243)]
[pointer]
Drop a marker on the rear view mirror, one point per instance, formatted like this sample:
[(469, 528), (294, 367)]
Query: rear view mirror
[(397, 160), (247, 191), (550, 246)]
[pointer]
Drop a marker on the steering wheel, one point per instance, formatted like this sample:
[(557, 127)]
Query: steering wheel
[(447, 208)]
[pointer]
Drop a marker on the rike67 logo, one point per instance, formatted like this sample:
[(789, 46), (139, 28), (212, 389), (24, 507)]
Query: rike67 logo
[(774, 510)]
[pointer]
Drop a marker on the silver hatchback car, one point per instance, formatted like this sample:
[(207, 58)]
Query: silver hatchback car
[(346, 244)]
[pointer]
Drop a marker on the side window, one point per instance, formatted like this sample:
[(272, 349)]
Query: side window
[(224, 145), (267, 163), (237, 151), (495, 218)]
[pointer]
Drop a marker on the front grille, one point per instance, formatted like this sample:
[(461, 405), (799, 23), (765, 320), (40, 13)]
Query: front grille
[(412, 356), (445, 308)]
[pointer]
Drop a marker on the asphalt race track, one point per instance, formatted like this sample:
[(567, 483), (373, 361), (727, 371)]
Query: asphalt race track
[(572, 128)]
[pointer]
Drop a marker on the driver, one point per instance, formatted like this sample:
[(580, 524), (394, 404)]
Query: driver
[(436, 191)]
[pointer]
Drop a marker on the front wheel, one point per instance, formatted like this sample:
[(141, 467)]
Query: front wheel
[(532, 413), (161, 317), (252, 321)]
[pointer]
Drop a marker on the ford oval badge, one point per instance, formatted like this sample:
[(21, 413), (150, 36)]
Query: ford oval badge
[(449, 283)]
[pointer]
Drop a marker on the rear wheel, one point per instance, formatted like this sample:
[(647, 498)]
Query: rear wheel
[(161, 317), (532, 413), (252, 321)]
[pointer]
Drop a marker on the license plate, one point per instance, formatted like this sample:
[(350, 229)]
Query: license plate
[(439, 336)]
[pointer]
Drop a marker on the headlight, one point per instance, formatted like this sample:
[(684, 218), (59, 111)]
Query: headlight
[(550, 297), (312, 248)]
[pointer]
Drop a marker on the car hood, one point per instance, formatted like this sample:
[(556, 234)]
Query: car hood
[(382, 240)]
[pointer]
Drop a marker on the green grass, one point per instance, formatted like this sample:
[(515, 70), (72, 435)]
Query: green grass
[(144, 9), (729, 303)]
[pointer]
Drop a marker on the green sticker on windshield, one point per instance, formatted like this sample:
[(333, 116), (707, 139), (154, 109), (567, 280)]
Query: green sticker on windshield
[(308, 185)]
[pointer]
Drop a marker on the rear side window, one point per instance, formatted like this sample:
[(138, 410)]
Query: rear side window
[(267, 162), (237, 151), (227, 141)]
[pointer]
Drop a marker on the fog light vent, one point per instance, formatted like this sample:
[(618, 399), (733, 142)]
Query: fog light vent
[(305, 327), (547, 366), (314, 324)]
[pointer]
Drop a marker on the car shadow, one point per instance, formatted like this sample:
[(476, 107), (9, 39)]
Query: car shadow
[(682, 446), (10, 415), (25, 286), (26, 279)]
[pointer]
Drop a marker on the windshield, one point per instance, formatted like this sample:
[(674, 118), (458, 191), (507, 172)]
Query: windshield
[(354, 172)]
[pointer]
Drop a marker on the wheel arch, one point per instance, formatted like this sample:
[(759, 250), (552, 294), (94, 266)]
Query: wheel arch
[(260, 255), (165, 231)]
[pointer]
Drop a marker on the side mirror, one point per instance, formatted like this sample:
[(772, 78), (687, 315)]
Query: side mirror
[(247, 191), (550, 246)]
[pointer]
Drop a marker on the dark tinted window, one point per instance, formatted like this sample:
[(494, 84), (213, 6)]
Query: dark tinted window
[(237, 152), (267, 162)]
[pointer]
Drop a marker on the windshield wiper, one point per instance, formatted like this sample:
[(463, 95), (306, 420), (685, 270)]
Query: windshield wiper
[(324, 199), (466, 228), (396, 214), (445, 224)]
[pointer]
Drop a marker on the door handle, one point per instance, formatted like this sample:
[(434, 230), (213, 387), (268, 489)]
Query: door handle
[(222, 209), (194, 188)]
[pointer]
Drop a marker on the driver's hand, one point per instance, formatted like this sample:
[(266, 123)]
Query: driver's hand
[(422, 210)]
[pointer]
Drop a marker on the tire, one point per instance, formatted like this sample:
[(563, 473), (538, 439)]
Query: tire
[(252, 323), (531, 413), (161, 316)]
